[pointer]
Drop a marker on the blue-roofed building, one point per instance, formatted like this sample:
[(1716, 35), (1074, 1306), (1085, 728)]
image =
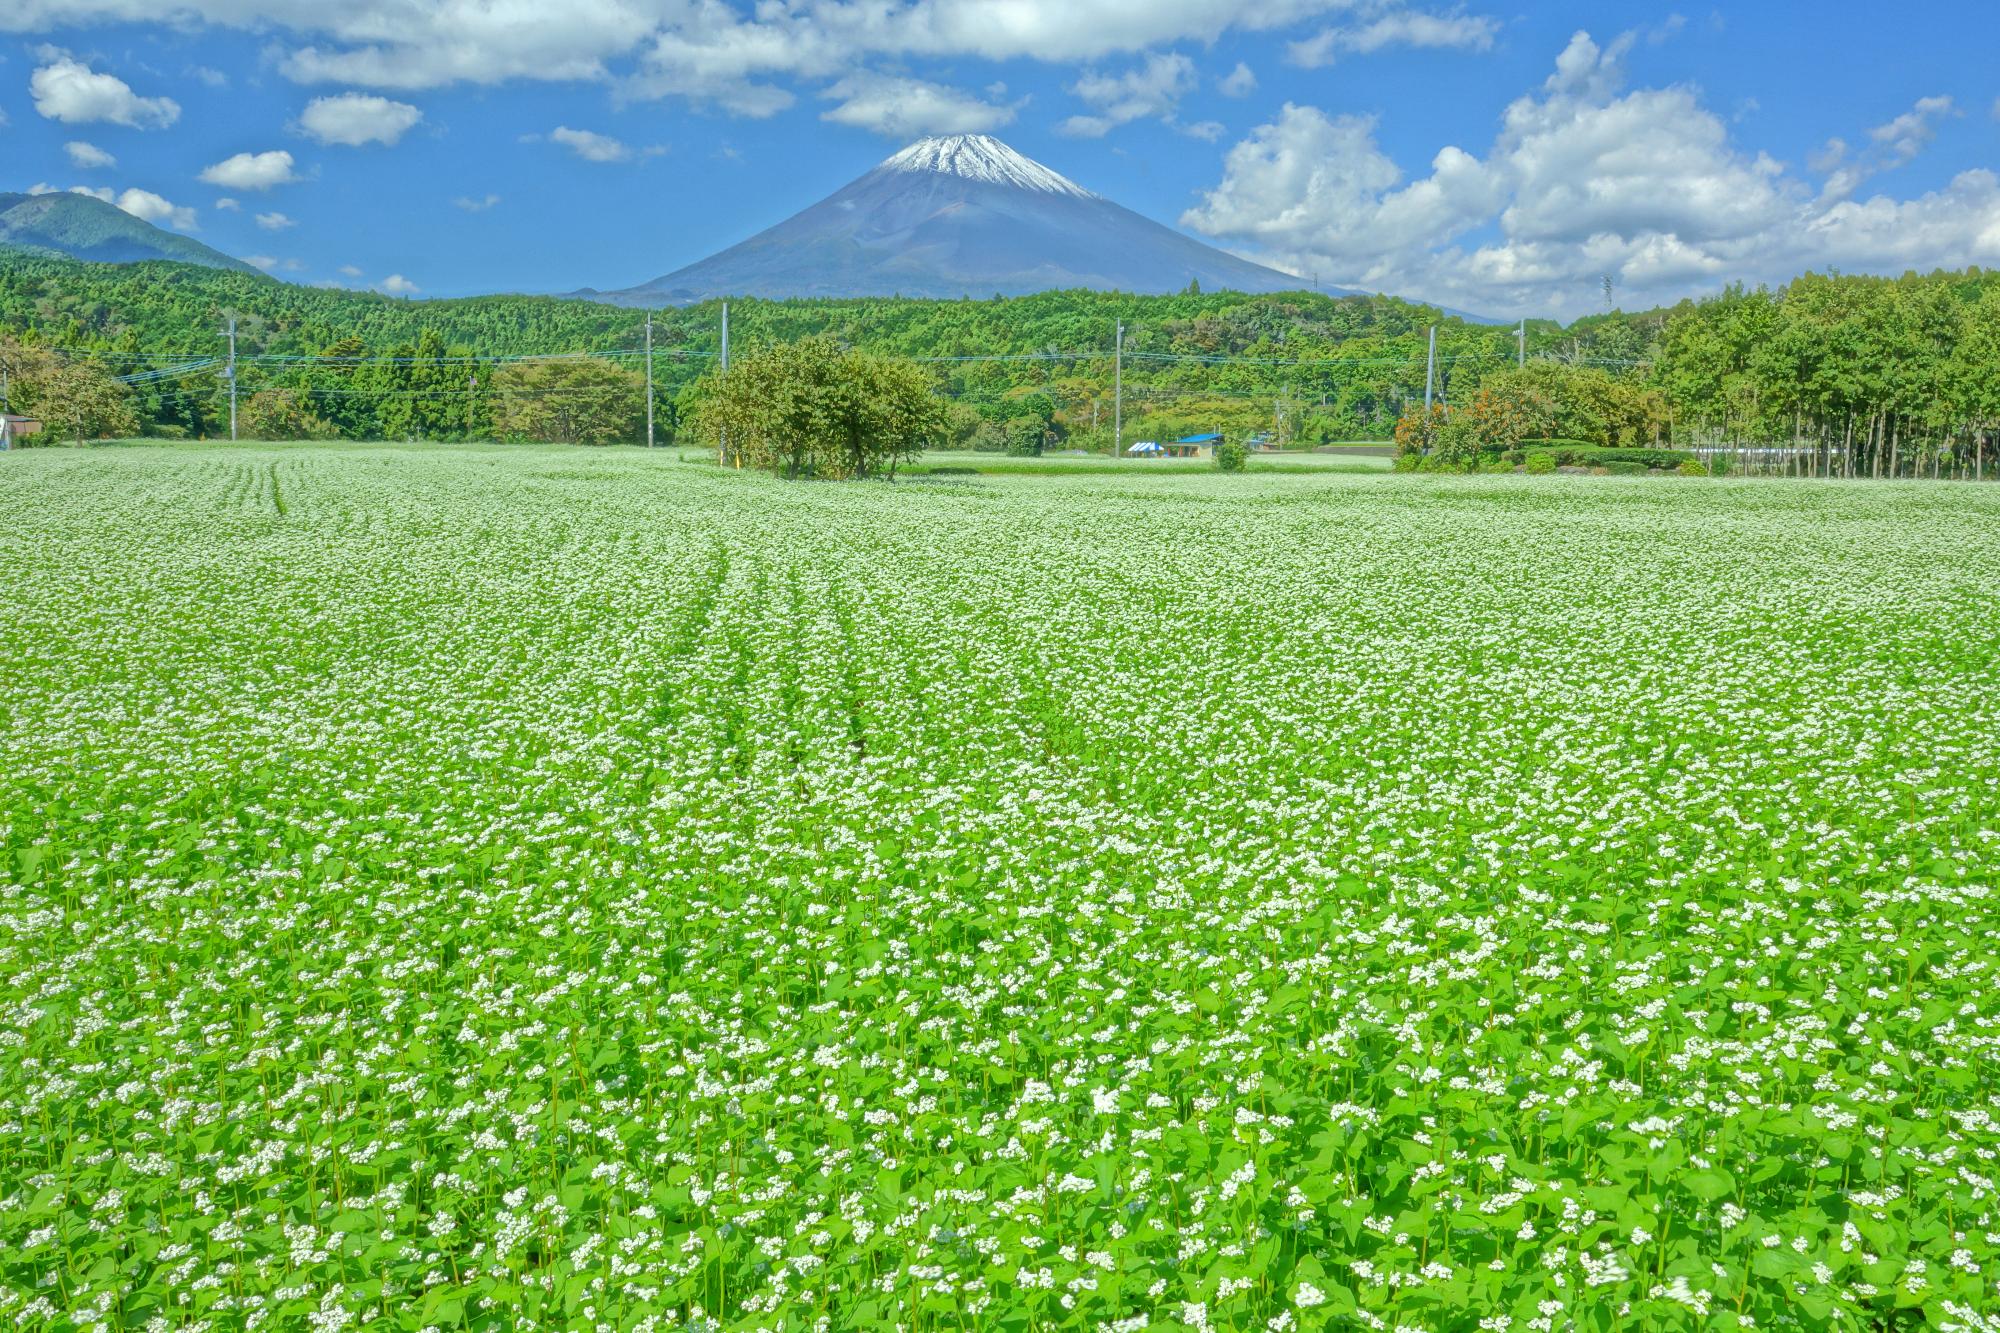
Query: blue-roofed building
[(1195, 446)]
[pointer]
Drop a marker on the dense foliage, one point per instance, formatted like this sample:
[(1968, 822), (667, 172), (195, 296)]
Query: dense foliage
[(510, 888), (812, 408), (1869, 376), (572, 401), (75, 399)]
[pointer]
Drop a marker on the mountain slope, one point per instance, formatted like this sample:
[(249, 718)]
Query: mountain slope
[(952, 217), (77, 226)]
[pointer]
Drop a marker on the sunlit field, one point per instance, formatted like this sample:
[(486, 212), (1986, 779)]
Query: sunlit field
[(449, 887), (948, 463)]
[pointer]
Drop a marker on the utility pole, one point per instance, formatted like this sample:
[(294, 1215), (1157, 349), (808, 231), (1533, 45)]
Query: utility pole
[(722, 457), (1118, 397), (230, 374), (1521, 337), (1430, 369), (649, 379)]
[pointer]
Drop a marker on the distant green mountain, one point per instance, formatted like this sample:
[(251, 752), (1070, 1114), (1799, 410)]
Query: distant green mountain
[(76, 226)]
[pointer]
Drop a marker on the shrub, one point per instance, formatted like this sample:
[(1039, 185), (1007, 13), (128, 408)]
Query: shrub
[(1231, 456), (1691, 467), (280, 414), (1455, 444), (1660, 458), (1568, 453), (1618, 467), (1025, 436), (1539, 465), (1416, 429), (814, 409), (1549, 400), (1503, 419)]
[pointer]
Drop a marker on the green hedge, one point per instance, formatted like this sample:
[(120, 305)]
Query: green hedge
[(1592, 455)]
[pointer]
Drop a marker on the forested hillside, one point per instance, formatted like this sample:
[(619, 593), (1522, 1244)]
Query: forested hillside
[(1875, 368), (66, 224)]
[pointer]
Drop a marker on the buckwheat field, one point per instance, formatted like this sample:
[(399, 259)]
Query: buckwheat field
[(465, 888)]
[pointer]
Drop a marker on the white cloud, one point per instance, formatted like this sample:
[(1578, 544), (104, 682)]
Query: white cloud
[(349, 270), (736, 56), (213, 78), (1208, 131), (1583, 178), (69, 91), (1890, 145), (590, 145), (478, 205), (398, 285), (88, 156), (150, 207), (1151, 89), (1829, 156), (252, 171), (141, 204), (712, 53), (354, 119), (1910, 133), (1239, 82), (1400, 27), (275, 221), (229, 205), (906, 108), (265, 262)]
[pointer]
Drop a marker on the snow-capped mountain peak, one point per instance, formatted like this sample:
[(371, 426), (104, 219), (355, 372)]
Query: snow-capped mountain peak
[(981, 157), (954, 217)]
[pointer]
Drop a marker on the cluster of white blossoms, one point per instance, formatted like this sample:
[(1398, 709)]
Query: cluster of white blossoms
[(475, 888)]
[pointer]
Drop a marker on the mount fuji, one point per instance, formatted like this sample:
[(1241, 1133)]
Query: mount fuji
[(951, 217)]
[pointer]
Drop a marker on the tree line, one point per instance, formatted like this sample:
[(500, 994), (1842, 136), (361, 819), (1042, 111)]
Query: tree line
[(1865, 376)]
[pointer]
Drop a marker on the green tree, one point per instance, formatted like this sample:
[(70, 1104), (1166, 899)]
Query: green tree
[(1416, 432), (79, 401), (1455, 444), (1025, 436), (582, 400), (281, 414), (814, 409)]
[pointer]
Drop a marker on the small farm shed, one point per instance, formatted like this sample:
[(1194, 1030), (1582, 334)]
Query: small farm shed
[(1195, 446), (1146, 449), (14, 428)]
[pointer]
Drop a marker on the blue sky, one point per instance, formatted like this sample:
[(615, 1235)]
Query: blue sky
[(1467, 153)]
